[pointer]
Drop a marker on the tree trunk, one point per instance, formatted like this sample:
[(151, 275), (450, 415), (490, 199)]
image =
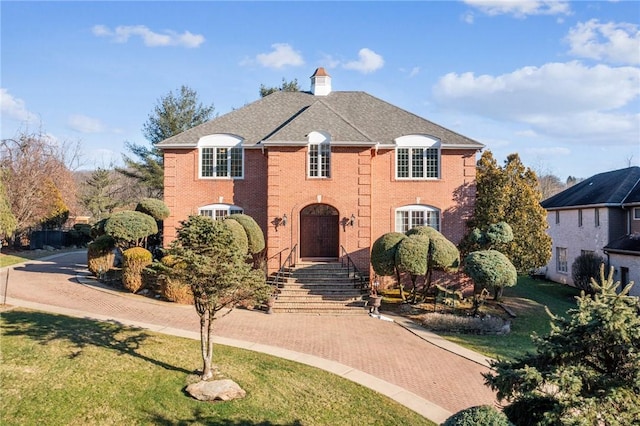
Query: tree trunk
[(206, 344)]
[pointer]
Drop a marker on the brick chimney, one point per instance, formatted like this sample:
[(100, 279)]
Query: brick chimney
[(320, 82)]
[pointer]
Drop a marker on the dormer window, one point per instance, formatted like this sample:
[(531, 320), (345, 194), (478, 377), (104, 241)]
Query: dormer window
[(221, 157), (319, 156), (417, 157)]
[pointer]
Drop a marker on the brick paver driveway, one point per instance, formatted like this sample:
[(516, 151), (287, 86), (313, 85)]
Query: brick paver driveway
[(382, 349)]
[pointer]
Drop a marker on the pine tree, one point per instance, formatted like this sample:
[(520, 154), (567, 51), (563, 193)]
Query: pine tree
[(586, 371)]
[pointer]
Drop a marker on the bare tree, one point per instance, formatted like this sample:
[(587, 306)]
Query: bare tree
[(33, 164)]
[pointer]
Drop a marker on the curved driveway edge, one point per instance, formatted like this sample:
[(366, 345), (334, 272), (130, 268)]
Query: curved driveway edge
[(417, 369)]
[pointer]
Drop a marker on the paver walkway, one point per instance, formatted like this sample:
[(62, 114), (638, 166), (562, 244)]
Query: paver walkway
[(395, 360)]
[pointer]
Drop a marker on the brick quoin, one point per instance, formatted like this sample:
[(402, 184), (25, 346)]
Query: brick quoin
[(362, 184)]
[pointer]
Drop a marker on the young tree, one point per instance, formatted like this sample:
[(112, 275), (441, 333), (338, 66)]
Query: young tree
[(215, 267), (412, 258), (129, 228), (173, 114), (286, 86), (383, 257), (585, 371), (511, 194)]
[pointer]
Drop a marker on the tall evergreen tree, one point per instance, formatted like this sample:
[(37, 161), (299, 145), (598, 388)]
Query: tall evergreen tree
[(99, 194), (586, 371), (173, 114), (511, 194)]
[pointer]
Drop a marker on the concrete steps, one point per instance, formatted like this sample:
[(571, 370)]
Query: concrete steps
[(319, 287)]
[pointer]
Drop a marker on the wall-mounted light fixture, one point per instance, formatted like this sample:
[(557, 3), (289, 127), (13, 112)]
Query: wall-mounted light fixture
[(352, 221), (280, 221)]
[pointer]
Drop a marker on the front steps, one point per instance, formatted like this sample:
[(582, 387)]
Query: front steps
[(320, 288)]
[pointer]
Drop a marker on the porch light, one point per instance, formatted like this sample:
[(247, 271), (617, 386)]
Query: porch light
[(352, 221), (284, 219), (280, 221)]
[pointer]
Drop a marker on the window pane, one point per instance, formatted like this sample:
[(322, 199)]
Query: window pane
[(325, 156), (417, 218), (206, 165), (208, 213), (402, 221), (561, 259), (222, 167), (236, 162), (432, 162), (403, 162), (433, 220), (580, 217), (313, 160), (417, 163), (219, 214)]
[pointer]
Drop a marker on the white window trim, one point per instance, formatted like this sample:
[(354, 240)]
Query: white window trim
[(414, 208), (220, 141), (322, 140), (228, 209), (423, 142), (564, 263)]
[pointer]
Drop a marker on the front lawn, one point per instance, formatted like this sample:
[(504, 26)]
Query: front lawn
[(58, 370), (527, 300)]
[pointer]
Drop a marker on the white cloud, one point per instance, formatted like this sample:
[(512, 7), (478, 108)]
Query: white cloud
[(121, 34), (368, 61), (15, 108), (551, 151), (568, 100), (281, 56), (84, 124), (519, 8), (612, 42)]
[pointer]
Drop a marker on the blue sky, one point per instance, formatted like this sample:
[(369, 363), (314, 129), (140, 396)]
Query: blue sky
[(557, 82)]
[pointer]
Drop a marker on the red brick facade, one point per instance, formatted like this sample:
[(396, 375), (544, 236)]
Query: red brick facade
[(362, 184)]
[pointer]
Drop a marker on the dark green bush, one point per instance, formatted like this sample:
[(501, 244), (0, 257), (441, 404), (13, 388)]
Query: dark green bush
[(383, 253), (412, 254), (239, 234), (585, 267), (129, 227), (490, 269), (134, 260), (255, 235), (482, 415), (155, 208), (100, 255)]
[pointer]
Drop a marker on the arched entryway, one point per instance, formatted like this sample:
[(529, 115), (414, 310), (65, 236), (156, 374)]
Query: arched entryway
[(319, 231)]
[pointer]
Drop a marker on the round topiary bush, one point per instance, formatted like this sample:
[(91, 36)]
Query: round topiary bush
[(239, 235), (254, 233), (383, 253), (155, 208), (134, 260), (585, 267), (482, 415), (100, 255), (129, 227)]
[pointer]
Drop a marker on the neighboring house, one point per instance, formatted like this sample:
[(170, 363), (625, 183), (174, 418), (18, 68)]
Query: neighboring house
[(326, 172), (600, 214)]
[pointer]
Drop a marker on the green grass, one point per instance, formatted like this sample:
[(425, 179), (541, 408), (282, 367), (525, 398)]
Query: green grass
[(61, 370), (527, 300)]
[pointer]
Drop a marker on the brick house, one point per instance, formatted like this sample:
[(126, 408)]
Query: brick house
[(325, 172), (600, 214)]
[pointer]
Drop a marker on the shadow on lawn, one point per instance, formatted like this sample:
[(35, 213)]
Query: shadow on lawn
[(44, 328), (200, 418)]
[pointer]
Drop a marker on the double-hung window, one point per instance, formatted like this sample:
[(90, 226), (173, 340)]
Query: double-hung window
[(319, 157), (408, 217), (417, 157), (221, 157), (561, 260)]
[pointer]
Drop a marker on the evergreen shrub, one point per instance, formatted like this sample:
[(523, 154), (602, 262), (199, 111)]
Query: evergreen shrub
[(100, 255), (482, 415), (134, 260)]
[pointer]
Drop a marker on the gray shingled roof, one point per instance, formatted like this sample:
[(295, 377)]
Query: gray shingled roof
[(626, 244), (349, 117), (606, 189)]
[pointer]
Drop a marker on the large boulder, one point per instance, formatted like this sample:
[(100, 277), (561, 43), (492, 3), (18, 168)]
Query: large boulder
[(216, 390)]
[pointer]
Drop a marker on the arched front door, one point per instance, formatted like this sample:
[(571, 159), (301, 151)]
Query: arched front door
[(319, 231)]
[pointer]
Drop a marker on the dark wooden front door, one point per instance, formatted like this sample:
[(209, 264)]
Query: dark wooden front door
[(319, 231)]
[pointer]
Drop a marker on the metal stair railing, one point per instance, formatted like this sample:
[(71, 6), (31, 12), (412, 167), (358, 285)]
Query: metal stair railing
[(288, 263), (360, 280)]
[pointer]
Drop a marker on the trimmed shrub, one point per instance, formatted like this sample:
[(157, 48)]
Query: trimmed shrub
[(411, 255), (174, 289), (134, 260), (239, 235), (585, 267), (97, 229), (155, 208), (482, 415), (129, 227), (490, 269), (100, 256), (254, 233), (383, 253), (464, 324)]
